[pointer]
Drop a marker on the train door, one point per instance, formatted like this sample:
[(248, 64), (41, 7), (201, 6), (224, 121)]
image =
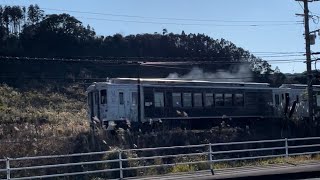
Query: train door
[(121, 105), (133, 114), (95, 107), (277, 102), (90, 105)]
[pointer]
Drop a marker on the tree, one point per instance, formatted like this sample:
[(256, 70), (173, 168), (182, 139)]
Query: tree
[(16, 15), (56, 35), (1, 16), (277, 77), (6, 17), (277, 70), (164, 31), (24, 12), (3, 32), (35, 14)]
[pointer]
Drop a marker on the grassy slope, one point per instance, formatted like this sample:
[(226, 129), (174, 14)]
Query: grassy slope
[(40, 121)]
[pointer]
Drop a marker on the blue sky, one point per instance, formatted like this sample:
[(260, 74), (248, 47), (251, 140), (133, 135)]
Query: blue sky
[(263, 38)]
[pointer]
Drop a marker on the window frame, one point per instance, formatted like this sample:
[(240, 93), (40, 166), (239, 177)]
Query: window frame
[(134, 98), (162, 100), (184, 99), (96, 97), (228, 103), (206, 97), (103, 96), (197, 102), (90, 99), (277, 99), (235, 98), (121, 98), (174, 103), (221, 101)]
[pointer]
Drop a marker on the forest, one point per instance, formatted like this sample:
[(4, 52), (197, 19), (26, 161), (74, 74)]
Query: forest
[(30, 32)]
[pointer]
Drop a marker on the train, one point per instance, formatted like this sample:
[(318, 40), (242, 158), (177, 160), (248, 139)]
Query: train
[(127, 102)]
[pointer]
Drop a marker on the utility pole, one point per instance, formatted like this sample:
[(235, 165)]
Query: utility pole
[(308, 56)]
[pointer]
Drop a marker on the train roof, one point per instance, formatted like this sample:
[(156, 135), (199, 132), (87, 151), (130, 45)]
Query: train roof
[(169, 81), (297, 86)]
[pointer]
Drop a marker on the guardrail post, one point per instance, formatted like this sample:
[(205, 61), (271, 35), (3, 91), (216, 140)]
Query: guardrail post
[(210, 159), (287, 149), (120, 164), (8, 168)]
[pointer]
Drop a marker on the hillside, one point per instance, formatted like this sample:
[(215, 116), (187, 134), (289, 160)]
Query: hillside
[(33, 119)]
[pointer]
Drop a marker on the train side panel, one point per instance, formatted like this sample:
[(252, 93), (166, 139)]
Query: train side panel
[(214, 102)]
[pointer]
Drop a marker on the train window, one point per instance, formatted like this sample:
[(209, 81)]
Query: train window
[(96, 98), (287, 95), (219, 99), (121, 98), (187, 100), (228, 99), (90, 99), (197, 99), (297, 98), (208, 100), (238, 100), (277, 99), (103, 94), (176, 99), (158, 99), (134, 96)]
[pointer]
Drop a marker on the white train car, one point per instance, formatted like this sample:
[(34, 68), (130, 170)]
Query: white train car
[(110, 102), (295, 93)]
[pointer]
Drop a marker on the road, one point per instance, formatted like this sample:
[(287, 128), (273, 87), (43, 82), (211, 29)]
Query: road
[(283, 171)]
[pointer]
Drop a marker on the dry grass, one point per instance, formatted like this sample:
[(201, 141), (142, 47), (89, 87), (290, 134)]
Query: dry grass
[(234, 164), (40, 121)]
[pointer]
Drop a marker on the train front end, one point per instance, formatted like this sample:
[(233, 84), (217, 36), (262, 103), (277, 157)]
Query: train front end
[(97, 103), (112, 105)]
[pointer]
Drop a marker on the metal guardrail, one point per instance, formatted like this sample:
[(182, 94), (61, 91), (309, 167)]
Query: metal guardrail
[(120, 162)]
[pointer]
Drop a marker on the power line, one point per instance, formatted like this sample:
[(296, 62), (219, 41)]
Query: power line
[(147, 58), (286, 55), (274, 52), (189, 24), (300, 5), (80, 79), (258, 23), (163, 18), (137, 60)]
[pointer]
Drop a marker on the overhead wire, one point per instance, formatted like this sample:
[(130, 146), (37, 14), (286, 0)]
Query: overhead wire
[(274, 52), (189, 24), (257, 23), (300, 5), (78, 79), (152, 58), (163, 18), (135, 60)]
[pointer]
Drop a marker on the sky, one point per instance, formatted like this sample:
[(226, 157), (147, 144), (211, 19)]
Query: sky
[(270, 29)]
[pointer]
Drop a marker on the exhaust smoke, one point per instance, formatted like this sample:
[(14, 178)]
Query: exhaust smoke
[(240, 73)]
